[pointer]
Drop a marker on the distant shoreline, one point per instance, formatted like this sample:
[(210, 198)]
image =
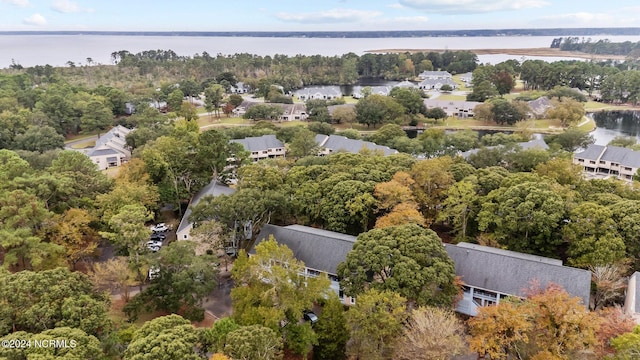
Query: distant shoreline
[(520, 52), (584, 32)]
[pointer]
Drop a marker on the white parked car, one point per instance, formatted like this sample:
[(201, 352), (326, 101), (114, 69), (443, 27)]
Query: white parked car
[(154, 272), (162, 227)]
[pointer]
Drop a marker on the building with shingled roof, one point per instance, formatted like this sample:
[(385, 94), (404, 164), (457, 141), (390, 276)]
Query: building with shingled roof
[(262, 147), (111, 148), (490, 275), (321, 251), (330, 144), (609, 161)]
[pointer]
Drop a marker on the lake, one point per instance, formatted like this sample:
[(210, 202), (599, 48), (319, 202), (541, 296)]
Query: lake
[(56, 50), (615, 123)]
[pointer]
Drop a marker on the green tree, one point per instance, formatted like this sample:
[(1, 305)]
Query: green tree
[(175, 99), (460, 206), (216, 336), (571, 139), (128, 231), (592, 236), (410, 99), (378, 109), (303, 144), (183, 281), (386, 134), (395, 259), (213, 97), (524, 217), (37, 301), (254, 342), (272, 290), (263, 112), (505, 112), (375, 323), (235, 100), (432, 178), (79, 345), (344, 115), (40, 139), (627, 345), (482, 91), (567, 110), (164, 338), (332, 331), (436, 113), (96, 116)]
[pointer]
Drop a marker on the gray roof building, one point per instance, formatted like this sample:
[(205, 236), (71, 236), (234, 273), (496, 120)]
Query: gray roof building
[(214, 188), (511, 273), (320, 250), (608, 161), (434, 75), (335, 143), (259, 143)]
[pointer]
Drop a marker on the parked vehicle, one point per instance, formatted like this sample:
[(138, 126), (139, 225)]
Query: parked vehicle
[(154, 272), (161, 227), (157, 237), (311, 317)]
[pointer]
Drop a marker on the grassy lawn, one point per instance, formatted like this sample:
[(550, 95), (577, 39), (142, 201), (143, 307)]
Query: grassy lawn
[(111, 172), (84, 145), (71, 138), (223, 120), (461, 85), (452, 97), (589, 125)]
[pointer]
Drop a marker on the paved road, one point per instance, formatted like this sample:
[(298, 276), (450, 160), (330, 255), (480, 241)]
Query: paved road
[(218, 303)]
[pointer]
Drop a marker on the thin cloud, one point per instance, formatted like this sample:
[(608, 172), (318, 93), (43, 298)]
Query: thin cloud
[(579, 18), (35, 20), (329, 16), (395, 6), (68, 7), (471, 6), (19, 3)]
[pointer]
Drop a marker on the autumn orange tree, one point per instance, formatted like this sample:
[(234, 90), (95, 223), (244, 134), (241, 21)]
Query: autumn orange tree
[(395, 198), (548, 324)]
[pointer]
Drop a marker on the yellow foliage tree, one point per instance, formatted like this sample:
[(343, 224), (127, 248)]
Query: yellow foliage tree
[(548, 324)]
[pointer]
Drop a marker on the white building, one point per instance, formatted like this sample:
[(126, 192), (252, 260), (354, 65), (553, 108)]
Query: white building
[(111, 148), (609, 161), (262, 147)]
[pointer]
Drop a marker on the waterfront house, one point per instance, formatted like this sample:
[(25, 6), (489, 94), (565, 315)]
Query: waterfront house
[(458, 108), (111, 148), (436, 84), (321, 251), (490, 275), (318, 92), (330, 144), (434, 75), (609, 161), (262, 147)]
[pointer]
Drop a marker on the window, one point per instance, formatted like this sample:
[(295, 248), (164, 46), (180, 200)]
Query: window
[(581, 160), (185, 236), (602, 162), (592, 162), (353, 300), (627, 168)]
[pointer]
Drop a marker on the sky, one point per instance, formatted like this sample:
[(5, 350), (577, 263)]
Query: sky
[(312, 15)]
